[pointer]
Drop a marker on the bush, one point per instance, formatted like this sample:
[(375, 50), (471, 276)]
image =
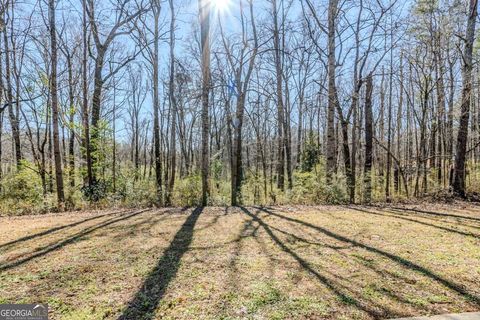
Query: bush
[(132, 193), (310, 155), (96, 191), (140, 193), (253, 190), (309, 188), (23, 185), (219, 193), (22, 193), (188, 191)]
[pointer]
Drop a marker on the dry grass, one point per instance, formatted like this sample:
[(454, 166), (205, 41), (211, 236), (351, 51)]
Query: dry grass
[(245, 263)]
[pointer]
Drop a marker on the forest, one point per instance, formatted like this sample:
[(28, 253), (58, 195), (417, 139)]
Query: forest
[(222, 102), (239, 159)]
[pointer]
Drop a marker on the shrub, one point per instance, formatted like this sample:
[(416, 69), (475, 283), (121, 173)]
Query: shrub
[(132, 193), (96, 191), (187, 191), (22, 192), (24, 185), (310, 154), (310, 188)]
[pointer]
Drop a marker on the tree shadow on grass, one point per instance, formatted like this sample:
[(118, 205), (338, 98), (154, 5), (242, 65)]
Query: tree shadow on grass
[(345, 297), (394, 258), (402, 217), (438, 214), (58, 245), (146, 300), (145, 225), (445, 219), (54, 229)]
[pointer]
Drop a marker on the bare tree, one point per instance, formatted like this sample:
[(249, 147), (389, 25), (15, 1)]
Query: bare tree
[(125, 15), (204, 13), (13, 117), (242, 65), (459, 171), (173, 107), (54, 100), (368, 139)]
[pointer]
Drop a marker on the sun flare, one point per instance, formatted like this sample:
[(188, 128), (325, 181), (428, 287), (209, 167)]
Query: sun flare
[(221, 5)]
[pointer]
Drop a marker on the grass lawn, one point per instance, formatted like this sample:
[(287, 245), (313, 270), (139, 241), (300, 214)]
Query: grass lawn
[(245, 263)]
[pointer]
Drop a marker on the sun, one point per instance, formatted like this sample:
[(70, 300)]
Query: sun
[(221, 5)]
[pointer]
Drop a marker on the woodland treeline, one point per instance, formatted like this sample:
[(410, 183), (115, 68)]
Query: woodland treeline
[(219, 102)]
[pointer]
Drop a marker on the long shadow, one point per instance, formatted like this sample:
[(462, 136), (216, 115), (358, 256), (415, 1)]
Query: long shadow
[(212, 222), (439, 214), (362, 260), (146, 300), (399, 216), (397, 259), (309, 242), (55, 246), (449, 220), (233, 280), (43, 233), (144, 225), (306, 266), (382, 273)]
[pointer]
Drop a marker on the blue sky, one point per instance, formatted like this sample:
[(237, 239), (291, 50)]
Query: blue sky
[(226, 11)]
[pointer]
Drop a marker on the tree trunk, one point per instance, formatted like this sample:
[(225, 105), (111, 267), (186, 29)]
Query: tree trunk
[(54, 95), (459, 169), (156, 105), (280, 106), (368, 140), (95, 112), (331, 147), (399, 126), (237, 171), (1, 114), (389, 125), (14, 123), (204, 10), (85, 113), (173, 106), (71, 119)]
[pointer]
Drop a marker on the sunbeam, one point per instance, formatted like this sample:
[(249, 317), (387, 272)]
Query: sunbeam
[(221, 5)]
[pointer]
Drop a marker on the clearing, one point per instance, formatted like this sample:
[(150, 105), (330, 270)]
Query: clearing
[(328, 262)]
